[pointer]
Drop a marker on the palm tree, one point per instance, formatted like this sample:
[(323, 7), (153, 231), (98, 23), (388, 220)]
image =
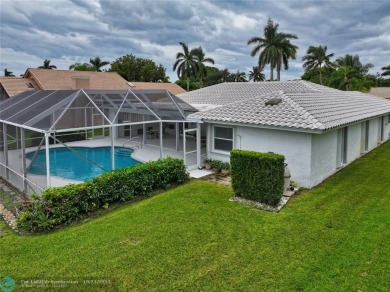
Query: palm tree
[(362, 84), (186, 64), (354, 62), (8, 73), (239, 76), (46, 65), (256, 74), (81, 67), (387, 71), (97, 63), (316, 57), (200, 58), (342, 77), (274, 48)]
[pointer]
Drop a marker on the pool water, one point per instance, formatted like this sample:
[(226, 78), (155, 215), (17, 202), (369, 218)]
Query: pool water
[(65, 163)]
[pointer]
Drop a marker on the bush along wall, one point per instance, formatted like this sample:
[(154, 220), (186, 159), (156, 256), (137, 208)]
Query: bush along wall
[(63, 205), (257, 176)]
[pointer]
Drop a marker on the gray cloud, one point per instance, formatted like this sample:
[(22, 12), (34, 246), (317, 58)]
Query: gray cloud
[(69, 31)]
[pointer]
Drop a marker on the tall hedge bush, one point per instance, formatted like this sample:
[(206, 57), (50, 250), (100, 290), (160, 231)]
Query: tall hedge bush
[(62, 205), (257, 176)]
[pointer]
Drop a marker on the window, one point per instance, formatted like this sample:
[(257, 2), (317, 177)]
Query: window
[(223, 138), (381, 130), (342, 146), (365, 136)]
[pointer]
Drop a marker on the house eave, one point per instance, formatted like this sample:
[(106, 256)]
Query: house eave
[(289, 129)]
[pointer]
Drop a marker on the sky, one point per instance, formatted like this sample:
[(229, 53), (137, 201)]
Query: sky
[(70, 31)]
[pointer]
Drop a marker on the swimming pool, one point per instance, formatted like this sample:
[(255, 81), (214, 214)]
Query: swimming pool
[(65, 163)]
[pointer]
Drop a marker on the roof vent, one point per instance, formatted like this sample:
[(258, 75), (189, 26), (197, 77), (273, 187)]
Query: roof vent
[(29, 85), (273, 101), (130, 84)]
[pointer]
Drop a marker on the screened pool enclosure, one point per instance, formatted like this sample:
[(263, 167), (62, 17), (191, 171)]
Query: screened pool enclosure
[(149, 121)]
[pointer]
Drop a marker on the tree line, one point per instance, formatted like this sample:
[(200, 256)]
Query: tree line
[(345, 73), (273, 48)]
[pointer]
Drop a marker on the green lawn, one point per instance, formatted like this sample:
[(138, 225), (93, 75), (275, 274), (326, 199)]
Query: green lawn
[(335, 237)]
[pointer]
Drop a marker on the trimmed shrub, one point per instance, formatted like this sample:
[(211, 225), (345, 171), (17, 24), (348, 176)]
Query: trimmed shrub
[(257, 176), (63, 205)]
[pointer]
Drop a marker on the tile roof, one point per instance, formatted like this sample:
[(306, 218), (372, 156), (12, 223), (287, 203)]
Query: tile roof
[(171, 87), (303, 105), (62, 79), (226, 93), (45, 79), (15, 85)]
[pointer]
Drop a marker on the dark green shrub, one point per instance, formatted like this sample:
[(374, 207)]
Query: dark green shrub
[(225, 165), (62, 205), (257, 176), (216, 164)]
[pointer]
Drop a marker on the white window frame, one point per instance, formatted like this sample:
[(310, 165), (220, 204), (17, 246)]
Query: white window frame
[(365, 134), (213, 138), (342, 147), (381, 129)]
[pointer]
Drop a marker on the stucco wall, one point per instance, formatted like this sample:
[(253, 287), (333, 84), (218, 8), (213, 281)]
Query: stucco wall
[(311, 157), (325, 146), (324, 156), (373, 134), (354, 142), (295, 146)]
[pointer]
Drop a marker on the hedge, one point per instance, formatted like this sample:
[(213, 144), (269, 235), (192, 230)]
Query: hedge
[(63, 205), (257, 176)]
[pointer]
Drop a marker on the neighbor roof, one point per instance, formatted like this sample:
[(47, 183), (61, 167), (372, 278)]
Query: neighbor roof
[(46, 79), (15, 85), (380, 91), (63, 79), (171, 87), (303, 105)]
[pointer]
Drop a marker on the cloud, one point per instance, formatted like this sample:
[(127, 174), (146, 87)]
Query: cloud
[(69, 31)]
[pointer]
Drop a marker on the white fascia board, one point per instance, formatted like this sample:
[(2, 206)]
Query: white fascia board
[(312, 131)]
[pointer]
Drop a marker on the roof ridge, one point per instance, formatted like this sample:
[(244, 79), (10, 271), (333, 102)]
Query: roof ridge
[(301, 109), (64, 70), (309, 85)]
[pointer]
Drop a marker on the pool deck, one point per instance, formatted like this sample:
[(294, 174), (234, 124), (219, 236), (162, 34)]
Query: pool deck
[(149, 152)]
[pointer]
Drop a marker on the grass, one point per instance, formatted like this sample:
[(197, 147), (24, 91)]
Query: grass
[(333, 237), (7, 200)]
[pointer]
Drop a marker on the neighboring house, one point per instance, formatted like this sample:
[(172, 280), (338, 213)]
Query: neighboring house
[(45, 79), (11, 86), (380, 91), (318, 129), (171, 87)]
